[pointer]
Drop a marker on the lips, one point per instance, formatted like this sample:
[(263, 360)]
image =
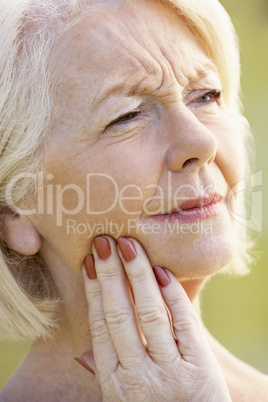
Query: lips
[(192, 210), (198, 202)]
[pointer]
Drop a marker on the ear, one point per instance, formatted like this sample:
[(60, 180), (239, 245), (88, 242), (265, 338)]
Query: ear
[(19, 233)]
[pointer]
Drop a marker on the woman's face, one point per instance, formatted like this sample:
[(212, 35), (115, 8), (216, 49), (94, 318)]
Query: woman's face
[(139, 131)]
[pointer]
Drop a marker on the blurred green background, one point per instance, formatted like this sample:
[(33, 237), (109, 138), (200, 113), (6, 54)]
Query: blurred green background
[(234, 309)]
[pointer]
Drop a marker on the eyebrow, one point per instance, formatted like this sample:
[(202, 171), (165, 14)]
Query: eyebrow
[(137, 89), (202, 72)]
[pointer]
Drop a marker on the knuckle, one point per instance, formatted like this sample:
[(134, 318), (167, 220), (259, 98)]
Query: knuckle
[(177, 302), (107, 272), (155, 314), (98, 329), (118, 316), (93, 292), (137, 275), (185, 323)]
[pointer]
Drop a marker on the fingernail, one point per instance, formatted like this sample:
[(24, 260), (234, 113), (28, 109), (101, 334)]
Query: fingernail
[(127, 249), (90, 266), (102, 247), (84, 364), (161, 276)]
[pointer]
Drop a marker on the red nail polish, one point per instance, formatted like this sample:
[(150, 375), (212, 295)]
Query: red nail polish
[(90, 266), (84, 364), (161, 276), (102, 247), (127, 249)]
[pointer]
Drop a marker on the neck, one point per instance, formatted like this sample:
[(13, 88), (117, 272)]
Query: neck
[(193, 287), (53, 361)]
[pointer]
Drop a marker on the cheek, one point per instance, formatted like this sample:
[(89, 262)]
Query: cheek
[(90, 196), (230, 160), (230, 151)]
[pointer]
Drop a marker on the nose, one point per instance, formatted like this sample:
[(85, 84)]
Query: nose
[(192, 145)]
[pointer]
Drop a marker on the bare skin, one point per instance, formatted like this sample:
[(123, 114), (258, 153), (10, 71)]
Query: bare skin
[(50, 372), (170, 125)]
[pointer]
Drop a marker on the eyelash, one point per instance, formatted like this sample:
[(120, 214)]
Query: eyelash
[(123, 119), (216, 94)]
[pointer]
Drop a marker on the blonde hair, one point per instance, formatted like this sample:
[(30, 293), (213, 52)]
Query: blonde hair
[(29, 29)]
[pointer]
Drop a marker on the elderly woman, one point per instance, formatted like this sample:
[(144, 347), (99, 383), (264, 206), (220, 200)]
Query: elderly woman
[(121, 148)]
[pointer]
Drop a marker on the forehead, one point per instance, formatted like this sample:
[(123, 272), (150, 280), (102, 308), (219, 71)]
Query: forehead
[(118, 41)]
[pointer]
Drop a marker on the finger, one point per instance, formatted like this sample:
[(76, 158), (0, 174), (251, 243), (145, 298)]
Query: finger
[(87, 361), (106, 358), (117, 303), (149, 303), (88, 357), (192, 343)]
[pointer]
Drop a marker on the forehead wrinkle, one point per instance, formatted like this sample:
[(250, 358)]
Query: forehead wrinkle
[(147, 65), (156, 72), (138, 64), (135, 71), (142, 71), (186, 71), (143, 84), (201, 72), (141, 76)]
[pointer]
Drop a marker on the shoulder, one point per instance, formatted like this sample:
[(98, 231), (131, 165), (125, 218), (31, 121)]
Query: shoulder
[(9, 394), (245, 383), (21, 388)]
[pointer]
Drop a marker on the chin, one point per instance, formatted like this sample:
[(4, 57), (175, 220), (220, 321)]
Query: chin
[(193, 256)]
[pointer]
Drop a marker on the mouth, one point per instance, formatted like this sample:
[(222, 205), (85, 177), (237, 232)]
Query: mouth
[(194, 209)]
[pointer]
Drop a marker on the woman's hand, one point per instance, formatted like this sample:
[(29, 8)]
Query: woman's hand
[(137, 357)]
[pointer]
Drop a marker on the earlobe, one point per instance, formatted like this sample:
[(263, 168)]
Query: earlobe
[(19, 233)]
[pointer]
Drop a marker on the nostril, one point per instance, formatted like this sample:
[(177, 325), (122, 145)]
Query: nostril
[(189, 161)]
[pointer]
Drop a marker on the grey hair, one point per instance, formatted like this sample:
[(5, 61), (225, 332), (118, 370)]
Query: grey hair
[(28, 30)]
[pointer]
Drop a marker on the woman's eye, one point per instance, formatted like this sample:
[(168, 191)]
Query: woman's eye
[(209, 97), (126, 117)]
